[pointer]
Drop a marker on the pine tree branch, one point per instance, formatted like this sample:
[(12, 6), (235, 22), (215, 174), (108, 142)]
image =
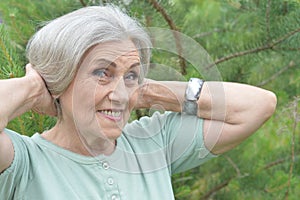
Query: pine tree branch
[(82, 3), (173, 27), (277, 162), (238, 171), (287, 48), (204, 34), (208, 194), (268, 46), (16, 28), (272, 190), (5, 52), (286, 36), (274, 76), (215, 189), (272, 164), (215, 30), (163, 12)]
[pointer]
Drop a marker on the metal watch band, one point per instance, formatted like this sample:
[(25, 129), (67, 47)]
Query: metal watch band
[(190, 107), (192, 95)]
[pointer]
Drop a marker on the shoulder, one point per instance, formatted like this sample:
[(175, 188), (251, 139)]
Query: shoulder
[(169, 121), (163, 129), (18, 139), (156, 119), (170, 139), (16, 169), (6, 151), (14, 149)]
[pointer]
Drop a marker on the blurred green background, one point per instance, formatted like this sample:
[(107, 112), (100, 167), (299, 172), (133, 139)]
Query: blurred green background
[(251, 41)]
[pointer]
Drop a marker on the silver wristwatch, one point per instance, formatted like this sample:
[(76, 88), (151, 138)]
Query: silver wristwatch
[(192, 95)]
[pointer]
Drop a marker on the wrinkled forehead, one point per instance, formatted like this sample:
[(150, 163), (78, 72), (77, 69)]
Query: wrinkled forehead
[(114, 50)]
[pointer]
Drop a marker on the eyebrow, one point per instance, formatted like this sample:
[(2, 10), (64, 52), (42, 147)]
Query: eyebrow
[(113, 64), (135, 65), (107, 62)]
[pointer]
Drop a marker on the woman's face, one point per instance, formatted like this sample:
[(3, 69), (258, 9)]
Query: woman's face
[(96, 104)]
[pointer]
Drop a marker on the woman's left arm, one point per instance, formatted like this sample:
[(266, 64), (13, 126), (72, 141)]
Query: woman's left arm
[(231, 111)]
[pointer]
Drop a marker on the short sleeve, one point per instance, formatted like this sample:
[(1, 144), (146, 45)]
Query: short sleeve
[(187, 149), (184, 137), (14, 177), (177, 136)]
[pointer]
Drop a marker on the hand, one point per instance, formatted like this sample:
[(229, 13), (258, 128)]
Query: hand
[(44, 103), (138, 99), (162, 95)]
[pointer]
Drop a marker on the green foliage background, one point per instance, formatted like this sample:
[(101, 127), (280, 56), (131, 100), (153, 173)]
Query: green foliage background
[(251, 41)]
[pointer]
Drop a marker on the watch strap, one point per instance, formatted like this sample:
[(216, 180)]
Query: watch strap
[(192, 94)]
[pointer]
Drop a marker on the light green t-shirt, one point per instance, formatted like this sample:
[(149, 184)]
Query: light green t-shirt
[(148, 153)]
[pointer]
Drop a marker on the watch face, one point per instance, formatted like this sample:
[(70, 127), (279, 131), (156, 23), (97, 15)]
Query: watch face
[(193, 89), (190, 93)]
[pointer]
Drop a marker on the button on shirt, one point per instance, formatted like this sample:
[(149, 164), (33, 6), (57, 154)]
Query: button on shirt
[(105, 165), (110, 181), (148, 152), (114, 197)]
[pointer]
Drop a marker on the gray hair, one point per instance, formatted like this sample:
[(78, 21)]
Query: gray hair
[(56, 50)]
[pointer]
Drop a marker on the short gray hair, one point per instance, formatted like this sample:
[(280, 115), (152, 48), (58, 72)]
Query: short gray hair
[(56, 50)]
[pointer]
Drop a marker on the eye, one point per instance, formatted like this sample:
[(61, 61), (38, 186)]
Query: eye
[(102, 74), (131, 76)]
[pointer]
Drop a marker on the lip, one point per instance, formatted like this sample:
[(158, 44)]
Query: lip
[(112, 114)]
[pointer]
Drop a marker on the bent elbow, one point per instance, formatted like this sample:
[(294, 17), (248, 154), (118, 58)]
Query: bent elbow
[(3, 124), (270, 104)]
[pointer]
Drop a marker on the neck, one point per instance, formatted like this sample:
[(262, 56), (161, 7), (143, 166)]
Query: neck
[(74, 141)]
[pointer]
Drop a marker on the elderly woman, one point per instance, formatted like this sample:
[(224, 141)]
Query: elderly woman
[(87, 68)]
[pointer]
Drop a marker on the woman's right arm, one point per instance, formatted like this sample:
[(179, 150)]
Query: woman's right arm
[(19, 95)]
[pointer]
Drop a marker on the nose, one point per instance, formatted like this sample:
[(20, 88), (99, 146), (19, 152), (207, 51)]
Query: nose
[(119, 93)]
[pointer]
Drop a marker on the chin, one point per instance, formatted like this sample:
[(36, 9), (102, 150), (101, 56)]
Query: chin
[(111, 134)]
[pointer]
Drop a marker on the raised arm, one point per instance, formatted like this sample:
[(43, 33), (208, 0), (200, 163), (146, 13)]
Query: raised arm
[(19, 95), (231, 111)]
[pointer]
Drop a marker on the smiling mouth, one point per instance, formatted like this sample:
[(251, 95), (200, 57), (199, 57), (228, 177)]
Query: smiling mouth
[(115, 115)]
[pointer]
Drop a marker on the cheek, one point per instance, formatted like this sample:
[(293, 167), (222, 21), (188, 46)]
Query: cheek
[(84, 97), (99, 93), (87, 87)]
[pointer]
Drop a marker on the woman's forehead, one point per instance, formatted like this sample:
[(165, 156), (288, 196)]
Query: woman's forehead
[(123, 53), (114, 49)]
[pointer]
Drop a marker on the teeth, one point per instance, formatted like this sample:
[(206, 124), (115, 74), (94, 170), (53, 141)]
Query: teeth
[(111, 113)]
